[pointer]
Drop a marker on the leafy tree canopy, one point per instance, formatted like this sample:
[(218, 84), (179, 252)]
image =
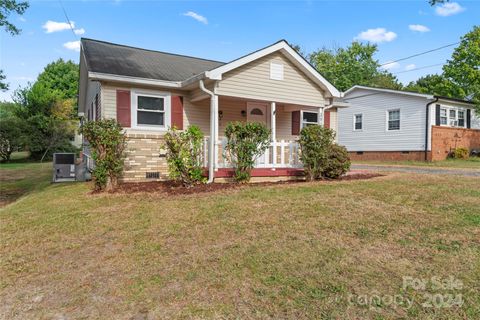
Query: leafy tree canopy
[(6, 8), (353, 65), (3, 84), (437, 85), (463, 68)]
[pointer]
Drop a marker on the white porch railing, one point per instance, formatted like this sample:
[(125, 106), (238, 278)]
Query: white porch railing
[(287, 155)]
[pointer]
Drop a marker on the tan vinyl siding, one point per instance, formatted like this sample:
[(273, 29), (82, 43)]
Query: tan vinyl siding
[(253, 81)]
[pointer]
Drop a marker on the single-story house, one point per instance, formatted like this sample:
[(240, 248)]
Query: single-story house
[(149, 91), (384, 124)]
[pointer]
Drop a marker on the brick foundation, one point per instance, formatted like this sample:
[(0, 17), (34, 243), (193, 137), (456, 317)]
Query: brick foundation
[(142, 156), (388, 155), (445, 139)]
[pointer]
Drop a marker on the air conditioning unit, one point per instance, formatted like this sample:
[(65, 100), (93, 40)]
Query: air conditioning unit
[(64, 167)]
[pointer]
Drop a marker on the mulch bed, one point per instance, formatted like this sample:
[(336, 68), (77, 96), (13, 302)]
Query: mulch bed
[(173, 188)]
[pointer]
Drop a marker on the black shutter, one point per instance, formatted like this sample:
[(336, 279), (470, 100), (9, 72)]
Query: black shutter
[(469, 117), (437, 115)]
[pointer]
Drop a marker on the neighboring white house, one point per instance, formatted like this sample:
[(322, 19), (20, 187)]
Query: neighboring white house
[(384, 124)]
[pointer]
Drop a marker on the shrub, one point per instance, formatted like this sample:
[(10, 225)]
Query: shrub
[(460, 153), (315, 142), (338, 162), (184, 155), (12, 136), (246, 141), (107, 144), (320, 156)]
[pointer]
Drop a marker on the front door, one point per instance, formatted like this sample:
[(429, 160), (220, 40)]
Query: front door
[(257, 112)]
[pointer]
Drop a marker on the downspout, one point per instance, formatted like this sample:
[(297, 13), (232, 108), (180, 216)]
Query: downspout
[(427, 127), (211, 150)]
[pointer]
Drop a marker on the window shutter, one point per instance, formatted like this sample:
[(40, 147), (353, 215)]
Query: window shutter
[(123, 108), (437, 115), (97, 108), (295, 123), (326, 119), (177, 112), (469, 118)]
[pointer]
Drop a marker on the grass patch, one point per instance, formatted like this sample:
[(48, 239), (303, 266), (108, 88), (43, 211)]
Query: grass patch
[(280, 251), (471, 163)]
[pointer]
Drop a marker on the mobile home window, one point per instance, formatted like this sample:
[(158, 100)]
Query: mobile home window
[(150, 110), (309, 118), (358, 121), (394, 120), (443, 116)]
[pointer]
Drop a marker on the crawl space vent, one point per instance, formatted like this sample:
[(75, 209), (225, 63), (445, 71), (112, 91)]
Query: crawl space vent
[(152, 175)]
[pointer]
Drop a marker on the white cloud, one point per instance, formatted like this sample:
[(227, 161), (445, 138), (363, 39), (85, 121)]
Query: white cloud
[(22, 19), (79, 32), (377, 35), (391, 65), (53, 26), (418, 28), (72, 45), (196, 16), (409, 67), (449, 9)]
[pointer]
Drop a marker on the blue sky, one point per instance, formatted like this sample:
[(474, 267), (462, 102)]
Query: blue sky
[(222, 30)]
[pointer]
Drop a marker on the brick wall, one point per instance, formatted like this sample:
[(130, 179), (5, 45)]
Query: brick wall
[(142, 156), (446, 139), (388, 155)]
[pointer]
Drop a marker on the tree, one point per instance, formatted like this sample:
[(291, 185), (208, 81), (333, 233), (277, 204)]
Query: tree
[(3, 85), (48, 107), (354, 65), (463, 68), (6, 8), (434, 2), (437, 85), (12, 136)]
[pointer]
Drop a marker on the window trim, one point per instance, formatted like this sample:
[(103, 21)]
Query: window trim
[(303, 122), (135, 93), (387, 118), (354, 121)]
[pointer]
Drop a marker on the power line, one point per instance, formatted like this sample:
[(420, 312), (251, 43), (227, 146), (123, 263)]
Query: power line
[(421, 53), (420, 68), (68, 19)]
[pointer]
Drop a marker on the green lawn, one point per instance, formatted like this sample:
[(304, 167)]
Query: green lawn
[(304, 250), (471, 163)]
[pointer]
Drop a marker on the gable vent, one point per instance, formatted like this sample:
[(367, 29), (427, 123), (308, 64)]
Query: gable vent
[(276, 71)]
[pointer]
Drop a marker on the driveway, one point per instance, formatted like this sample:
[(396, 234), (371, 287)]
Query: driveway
[(422, 170)]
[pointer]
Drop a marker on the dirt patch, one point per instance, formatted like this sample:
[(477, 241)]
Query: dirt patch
[(173, 188)]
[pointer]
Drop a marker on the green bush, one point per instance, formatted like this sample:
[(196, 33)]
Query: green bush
[(246, 141), (184, 155), (12, 136), (460, 153), (315, 142), (107, 144), (322, 158), (338, 162)]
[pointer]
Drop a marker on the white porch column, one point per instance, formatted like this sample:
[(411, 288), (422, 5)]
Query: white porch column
[(321, 116), (273, 125), (217, 141)]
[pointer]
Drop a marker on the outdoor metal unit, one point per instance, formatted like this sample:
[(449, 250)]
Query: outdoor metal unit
[(63, 167)]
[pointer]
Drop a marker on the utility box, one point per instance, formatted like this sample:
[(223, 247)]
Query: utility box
[(64, 167)]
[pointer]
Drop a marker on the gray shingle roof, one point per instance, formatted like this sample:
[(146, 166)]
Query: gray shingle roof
[(105, 57)]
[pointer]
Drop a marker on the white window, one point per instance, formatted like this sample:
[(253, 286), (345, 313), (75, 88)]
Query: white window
[(309, 118), (150, 111), (358, 122), (461, 118), (393, 120), (443, 116), (453, 117), (276, 71)]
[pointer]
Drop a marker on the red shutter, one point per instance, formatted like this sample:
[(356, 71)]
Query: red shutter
[(177, 112), (326, 119), (123, 108), (295, 123)]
